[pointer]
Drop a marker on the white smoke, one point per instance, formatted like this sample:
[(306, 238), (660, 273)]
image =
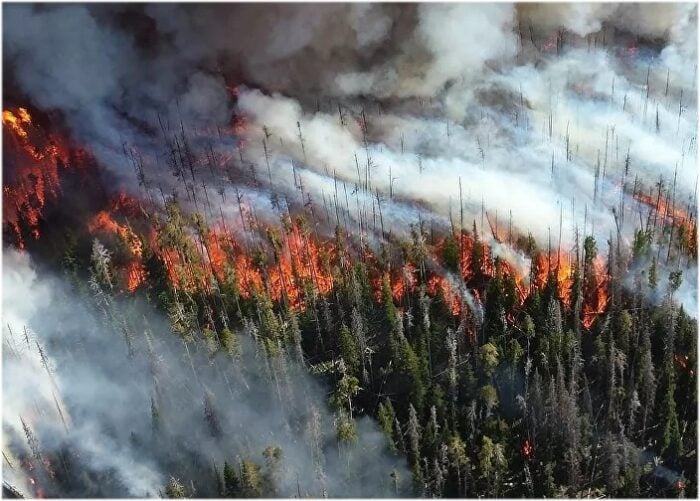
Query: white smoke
[(105, 397), (450, 94), (543, 111)]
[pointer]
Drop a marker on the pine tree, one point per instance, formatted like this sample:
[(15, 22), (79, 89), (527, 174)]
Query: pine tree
[(413, 431), (611, 464), (174, 489), (409, 367), (251, 480), (491, 462), (646, 379), (671, 444), (211, 415), (452, 373), (387, 417), (220, 485), (431, 435), (156, 424), (457, 455), (32, 441), (653, 278), (489, 358), (489, 397), (450, 254), (229, 341), (273, 459), (348, 350), (554, 330), (101, 263)]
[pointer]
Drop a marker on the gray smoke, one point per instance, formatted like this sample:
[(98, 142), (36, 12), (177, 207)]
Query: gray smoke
[(550, 115), (105, 397), (535, 108)]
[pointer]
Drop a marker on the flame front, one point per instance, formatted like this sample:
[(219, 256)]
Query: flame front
[(294, 265), (34, 156)]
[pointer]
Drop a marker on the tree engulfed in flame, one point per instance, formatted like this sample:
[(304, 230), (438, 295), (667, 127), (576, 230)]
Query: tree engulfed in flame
[(16, 123), (556, 265), (134, 273), (664, 211), (294, 265), (33, 155), (595, 293), (298, 260), (440, 285)]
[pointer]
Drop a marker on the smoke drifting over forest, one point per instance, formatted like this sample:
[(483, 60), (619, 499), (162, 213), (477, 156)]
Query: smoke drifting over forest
[(524, 103), (95, 395), (555, 121)]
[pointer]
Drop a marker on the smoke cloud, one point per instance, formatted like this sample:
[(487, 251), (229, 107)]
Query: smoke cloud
[(106, 424), (550, 115), (541, 117)]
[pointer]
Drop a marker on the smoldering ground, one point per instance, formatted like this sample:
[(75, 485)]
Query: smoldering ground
[(127, 416)]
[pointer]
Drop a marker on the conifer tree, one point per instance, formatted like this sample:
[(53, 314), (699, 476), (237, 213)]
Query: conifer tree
[(413, 430), (348, 350), (387, 418)]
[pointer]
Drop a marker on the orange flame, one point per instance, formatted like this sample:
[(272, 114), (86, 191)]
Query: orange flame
[(556, 266), (401, 281), (520, 288), (103, 222), (440, 285), (559, 266), (14, 122), (670, 215), (595, 294), (299, 261), (135, 275), (34, 173)]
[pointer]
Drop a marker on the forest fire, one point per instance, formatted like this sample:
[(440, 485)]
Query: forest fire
[(227, 258), (557, 267), (14, 122), (135, 275), (406, 282), (298, 259), (301, 263), (681, 362), (521, 288), (33, 157), (664, 211), (595, 292), (440, 285), (103, 222), (431, 251)]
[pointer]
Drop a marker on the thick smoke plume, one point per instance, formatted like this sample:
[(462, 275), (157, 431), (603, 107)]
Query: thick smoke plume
[(523, 103), (129, 406)]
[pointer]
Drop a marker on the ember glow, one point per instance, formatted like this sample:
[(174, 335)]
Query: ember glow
[(32, 172), (348, 249)]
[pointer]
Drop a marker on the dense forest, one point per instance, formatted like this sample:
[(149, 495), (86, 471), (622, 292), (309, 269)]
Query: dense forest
[(483, 385), (189, 328)]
